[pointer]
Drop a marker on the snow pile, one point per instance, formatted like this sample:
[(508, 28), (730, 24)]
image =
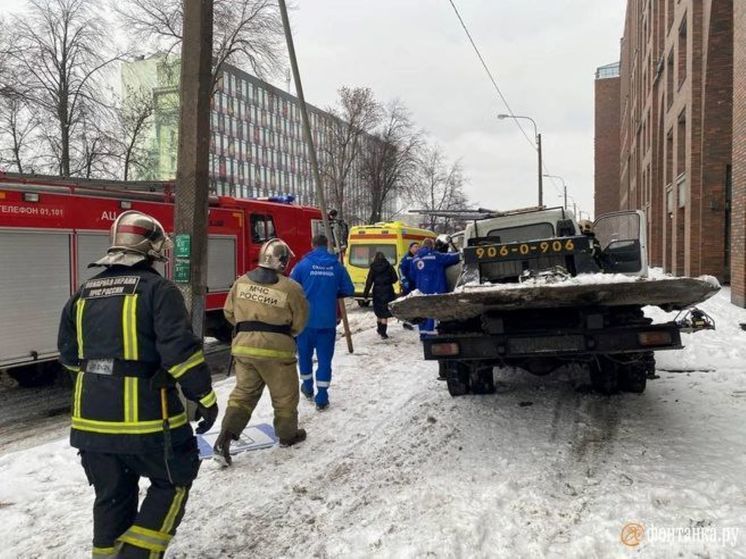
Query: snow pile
[(397, 468), (581, 279)]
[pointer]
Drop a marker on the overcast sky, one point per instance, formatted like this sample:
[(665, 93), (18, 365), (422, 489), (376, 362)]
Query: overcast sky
[(543, 54)]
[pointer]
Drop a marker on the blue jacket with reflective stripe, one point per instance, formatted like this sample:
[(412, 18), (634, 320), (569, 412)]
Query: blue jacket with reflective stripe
[(405, 272), (324, 280), (428, 269)]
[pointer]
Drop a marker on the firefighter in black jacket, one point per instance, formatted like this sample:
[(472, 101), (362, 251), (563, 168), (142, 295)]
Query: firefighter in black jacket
[(126, 338)]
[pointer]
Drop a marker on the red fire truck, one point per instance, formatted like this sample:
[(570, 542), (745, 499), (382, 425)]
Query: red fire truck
[(52, 228)]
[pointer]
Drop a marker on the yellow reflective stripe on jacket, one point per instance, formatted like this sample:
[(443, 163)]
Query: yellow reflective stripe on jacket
[(129, 327), (243, 351), (209, 399), (78, 394), (196, 359), (79, 306), (127, 427), (131, 404), (173, 510), (104, 552), (72, 368), (144, 538)]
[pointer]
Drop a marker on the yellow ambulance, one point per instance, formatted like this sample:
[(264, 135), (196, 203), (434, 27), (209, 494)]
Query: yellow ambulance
[(391, 238)]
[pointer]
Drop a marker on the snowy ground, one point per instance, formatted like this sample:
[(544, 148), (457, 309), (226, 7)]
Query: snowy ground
[(397, 468)]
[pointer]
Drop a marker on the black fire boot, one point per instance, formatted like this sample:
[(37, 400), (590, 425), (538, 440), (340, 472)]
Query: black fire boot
[(300, 436), (384, 327)]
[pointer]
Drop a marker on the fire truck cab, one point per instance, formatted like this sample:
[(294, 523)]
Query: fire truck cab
[(51, 229)]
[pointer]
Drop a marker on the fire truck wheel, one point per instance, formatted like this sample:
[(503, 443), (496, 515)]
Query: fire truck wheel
[(223, 334), (33, 376)]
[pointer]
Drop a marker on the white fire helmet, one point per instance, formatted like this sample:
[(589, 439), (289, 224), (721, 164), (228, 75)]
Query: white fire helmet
[(275, 254), (135, 237)]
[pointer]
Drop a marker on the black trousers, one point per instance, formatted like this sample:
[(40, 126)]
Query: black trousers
[(119, 528)]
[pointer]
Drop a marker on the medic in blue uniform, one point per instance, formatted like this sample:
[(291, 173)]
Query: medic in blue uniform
[(428, 269), (324, 280)]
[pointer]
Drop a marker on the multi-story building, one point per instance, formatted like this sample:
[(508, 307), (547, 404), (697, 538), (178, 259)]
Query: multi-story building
[(257, 147), (676, 135), (606, 141), (738, 181)]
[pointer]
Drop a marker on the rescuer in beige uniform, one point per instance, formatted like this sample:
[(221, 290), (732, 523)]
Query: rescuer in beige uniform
[(268, 310)]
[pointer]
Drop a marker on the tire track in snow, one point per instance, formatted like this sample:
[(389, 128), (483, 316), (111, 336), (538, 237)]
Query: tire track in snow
[(584, 428)]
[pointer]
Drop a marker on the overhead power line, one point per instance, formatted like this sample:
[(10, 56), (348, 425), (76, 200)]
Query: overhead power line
[(489, 74), (497, 88)]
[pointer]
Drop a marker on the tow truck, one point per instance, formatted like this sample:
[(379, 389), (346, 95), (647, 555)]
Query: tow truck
[(536, 293)]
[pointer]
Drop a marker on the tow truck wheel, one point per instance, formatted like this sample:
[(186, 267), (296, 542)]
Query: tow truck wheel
[(457, 378), (482, 380), (604, 376), (634, 377)]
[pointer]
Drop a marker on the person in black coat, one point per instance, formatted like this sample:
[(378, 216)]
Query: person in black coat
[(381, 277)]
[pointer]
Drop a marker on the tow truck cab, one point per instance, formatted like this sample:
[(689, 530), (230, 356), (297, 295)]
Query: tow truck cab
[(507, 248)]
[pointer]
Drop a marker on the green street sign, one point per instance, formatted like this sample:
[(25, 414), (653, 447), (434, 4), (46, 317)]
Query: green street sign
[(182, 270), (183, 246)]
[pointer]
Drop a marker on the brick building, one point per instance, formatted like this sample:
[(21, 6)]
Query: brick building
[(738, 246), (676, 134), (606, 141)]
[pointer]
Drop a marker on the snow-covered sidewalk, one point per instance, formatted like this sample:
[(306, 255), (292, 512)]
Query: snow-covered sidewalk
[(397, 468)]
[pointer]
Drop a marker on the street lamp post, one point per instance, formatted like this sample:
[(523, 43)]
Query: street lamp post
[(564, 186), (538, 150)]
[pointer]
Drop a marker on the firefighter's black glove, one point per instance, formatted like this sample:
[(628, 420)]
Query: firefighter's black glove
[(222, 447), (208, 416)]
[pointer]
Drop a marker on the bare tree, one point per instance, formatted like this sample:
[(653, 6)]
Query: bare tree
[(94, 146), (439, 187), (134, 117), (6, 81), (346, 135), (245, 31), (18, 127), (390, 158), (59, 49)]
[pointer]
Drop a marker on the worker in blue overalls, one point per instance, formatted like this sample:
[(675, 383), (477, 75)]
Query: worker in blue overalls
[(324, 281)]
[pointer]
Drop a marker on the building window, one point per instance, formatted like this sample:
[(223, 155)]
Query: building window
[(669, 14), (681, 190), (681, 144), (669, 80), (669, 157), (682, 51)]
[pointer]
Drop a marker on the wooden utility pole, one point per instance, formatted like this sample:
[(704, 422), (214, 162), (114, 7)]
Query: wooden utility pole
[(312, 154), (192, 174)]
